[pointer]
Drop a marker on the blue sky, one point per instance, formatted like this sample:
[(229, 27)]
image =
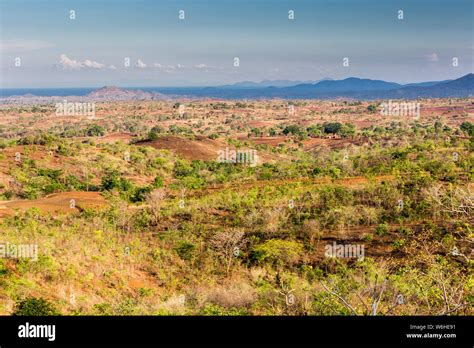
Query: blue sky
[(90, 50)]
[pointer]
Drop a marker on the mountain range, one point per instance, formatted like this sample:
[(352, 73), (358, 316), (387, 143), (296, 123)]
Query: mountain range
[(271, 83), (352, 87)]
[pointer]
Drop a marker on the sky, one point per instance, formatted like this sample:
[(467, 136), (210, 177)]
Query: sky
[(144, 43)]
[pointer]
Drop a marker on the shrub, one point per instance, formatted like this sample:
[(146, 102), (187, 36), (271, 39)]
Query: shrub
[(35, 307), (382, 229), (398, 244), (157, 129), (95, 131), (332, 127), (182, 168), (112, 180), (53, 174), (158, 182), (467, 127), (368, 238), (278, 251), (347, 130), (372, 108), (185, 250), (214, 309), (140, 194), (292, 129), (8, 194), (152, 136), (191, 182)]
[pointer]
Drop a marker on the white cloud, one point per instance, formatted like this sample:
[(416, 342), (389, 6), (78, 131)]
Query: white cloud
[(68, 63), (201, 66), (169, 68), (141, 65), (20, 45), (166, 68), (94, 65), (71, 64), (433, 57), (175, 67)]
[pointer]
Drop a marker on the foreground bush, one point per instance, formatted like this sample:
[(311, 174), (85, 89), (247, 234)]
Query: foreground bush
[(35, 307)]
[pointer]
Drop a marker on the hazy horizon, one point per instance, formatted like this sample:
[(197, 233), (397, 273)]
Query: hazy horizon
[(204, 86)]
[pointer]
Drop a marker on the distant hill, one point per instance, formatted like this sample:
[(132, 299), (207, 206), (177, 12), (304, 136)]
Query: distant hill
[(271, 83), (337, 88), (461, 87), (110, 93), (349, 84), (352, 84), (424, 84), (352, 87)]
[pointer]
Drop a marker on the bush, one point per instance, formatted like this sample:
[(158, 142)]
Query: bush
[(185, 250), (332, 127), (8, 194), (398, 244), (95, 131), (157, 129), (182, 168), (113, 180), (278, 251), (292, 129), (140, 194), (468, 128), (158, 182), (382, 229), (347, 130), (35, 307), (53, 174), (152, 136), (372, 108), (216, 310)]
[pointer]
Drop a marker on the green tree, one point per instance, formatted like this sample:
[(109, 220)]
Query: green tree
[(152, 136), (278, 251), (332, 127), (95, 131), (348, 130), (372, 108), (34, 307), (467, 127)]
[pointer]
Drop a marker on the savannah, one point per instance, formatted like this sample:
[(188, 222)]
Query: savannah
[(133, 211)]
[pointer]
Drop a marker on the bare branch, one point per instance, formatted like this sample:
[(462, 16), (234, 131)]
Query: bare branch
[(340, 298)]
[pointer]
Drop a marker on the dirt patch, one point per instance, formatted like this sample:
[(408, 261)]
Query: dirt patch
[(64, 203), (271, 141), (113, 138), (332, 142), (200, 148)]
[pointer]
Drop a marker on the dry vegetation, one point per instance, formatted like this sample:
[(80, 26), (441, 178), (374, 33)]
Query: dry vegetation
[(133, 214)]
